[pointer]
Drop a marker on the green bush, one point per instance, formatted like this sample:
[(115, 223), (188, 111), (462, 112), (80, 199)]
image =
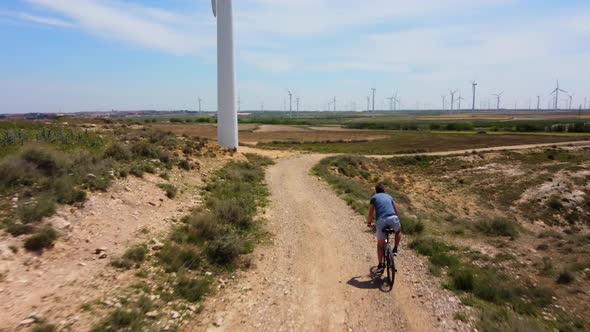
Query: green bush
[(185, 165), (463, 279), (199, 227), (497, 227), (412, 226), (224, 250), (45, 159), (565, 277), (170, 190), (16, 228), (133, 256), (231, 211), (429, 246), (175, 257), (118, 151), (43, 207), (44, 327), (41, 239), (119, 320), (145, 150), (192, 288)]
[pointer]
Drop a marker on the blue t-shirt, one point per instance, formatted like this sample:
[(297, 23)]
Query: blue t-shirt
[(383, 204)]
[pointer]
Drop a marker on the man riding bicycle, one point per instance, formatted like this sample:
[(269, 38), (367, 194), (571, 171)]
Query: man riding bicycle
[(383, 207)]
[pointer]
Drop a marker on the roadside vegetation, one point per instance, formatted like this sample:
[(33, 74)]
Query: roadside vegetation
[(507, 231), (45, 165), (207, 245)]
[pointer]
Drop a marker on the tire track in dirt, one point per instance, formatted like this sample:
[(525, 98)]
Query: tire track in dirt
[(315, 277)]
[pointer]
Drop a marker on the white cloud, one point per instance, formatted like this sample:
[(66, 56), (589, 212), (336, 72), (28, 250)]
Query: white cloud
[(143, 26), (44, 20)]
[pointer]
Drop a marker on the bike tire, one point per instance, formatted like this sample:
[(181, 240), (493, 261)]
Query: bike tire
[(390, 271)]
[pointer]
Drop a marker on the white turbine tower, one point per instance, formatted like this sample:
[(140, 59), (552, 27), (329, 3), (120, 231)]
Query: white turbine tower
[(459, 102), (444, 97), (538, 103), (373, 89), (556, 92), (290, 103), (227, 117), (498, 95), (452, 98), (473, 84), (390, 102)]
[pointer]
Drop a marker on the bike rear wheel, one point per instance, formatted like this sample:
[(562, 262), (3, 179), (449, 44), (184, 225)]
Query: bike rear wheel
[(390, 270)]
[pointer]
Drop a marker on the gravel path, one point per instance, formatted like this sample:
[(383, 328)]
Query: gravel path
[(316, 275)]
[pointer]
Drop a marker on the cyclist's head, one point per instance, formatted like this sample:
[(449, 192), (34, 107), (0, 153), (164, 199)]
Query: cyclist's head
[(379, 188)]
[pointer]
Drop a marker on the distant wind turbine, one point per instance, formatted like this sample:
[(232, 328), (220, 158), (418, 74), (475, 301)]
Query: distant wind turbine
[(396, 101), (538, 103), (571, 98), (227, 124), (498, 95), (200, 104), (444, 97), (473, 84), (373, 89), (452, 98), (556, 92), (390, 103), (290, 103), (297, 102), (334, 103), (459, 102)]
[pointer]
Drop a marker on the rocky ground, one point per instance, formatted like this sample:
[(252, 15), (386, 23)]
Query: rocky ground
[(54, 286)]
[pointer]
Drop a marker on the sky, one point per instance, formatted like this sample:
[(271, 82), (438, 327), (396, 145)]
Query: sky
[(96, 55)]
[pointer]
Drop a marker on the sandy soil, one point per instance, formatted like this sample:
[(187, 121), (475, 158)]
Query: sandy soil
[(316, 275), (55, 285)]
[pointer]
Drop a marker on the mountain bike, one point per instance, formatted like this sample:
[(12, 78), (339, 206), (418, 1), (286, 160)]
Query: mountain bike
[(389, 257)]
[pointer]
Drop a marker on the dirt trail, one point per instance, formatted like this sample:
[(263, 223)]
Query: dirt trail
[(494, 148), (315, 277)]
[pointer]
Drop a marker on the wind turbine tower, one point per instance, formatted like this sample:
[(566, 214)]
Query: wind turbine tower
[(570, 104), (498, 95), (227, 124), (538, 103), (459, 102), (334, 103), (452, 98), (473, 85), (200, 104), (390, 103), (297, 103), (290, 103), (373, 89), (444, 97), (556, 92)]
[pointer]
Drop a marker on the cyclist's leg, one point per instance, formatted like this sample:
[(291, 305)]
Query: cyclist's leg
[(380, 239), (398, 237), (380, 249)]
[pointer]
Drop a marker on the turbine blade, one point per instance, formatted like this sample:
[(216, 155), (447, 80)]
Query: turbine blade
[(214, 7)]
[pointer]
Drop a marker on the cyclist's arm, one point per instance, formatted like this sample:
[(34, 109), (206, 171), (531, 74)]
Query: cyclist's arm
[(370, 217), (394, 209)]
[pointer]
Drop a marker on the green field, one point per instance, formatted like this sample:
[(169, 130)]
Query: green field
[(421, 141)]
